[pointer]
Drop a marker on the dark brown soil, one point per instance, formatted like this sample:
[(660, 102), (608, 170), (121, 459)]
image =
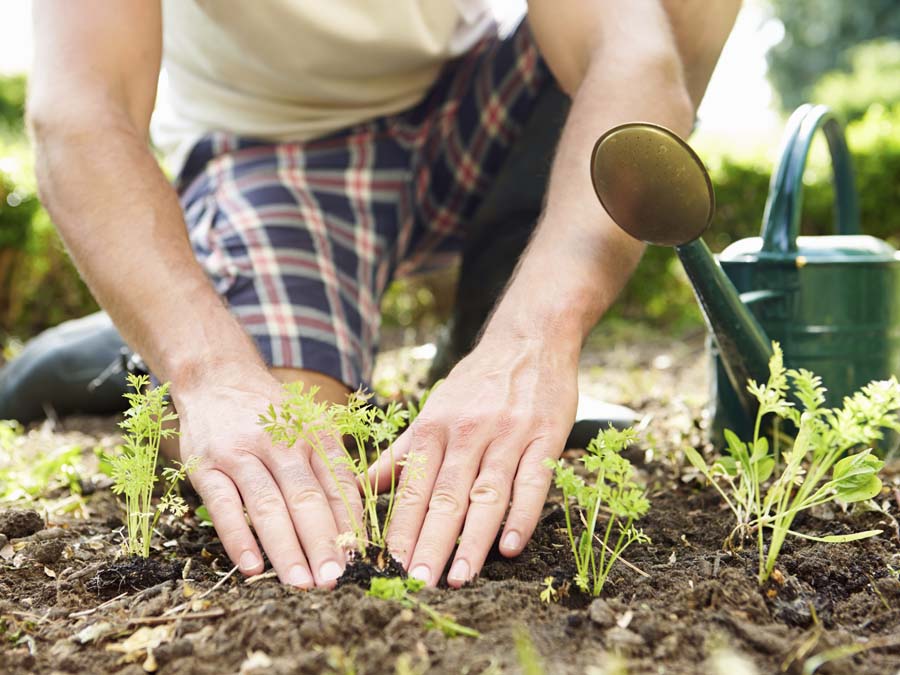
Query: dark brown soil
[(690, 603), (70, 603)]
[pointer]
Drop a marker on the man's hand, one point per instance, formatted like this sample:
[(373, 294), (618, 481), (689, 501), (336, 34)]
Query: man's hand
[(482, 439), (292, 501)]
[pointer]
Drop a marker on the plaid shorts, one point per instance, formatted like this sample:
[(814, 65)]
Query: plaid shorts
[(301, 239)]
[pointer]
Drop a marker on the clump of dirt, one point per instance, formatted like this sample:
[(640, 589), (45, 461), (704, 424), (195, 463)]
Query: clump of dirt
[(17, 523), (131, 574), (376, 562)]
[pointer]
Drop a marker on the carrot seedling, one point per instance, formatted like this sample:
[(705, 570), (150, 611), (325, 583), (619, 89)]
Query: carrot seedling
[(403, 590), (133, 467), (342, 435), (830, 459), (612, 487)]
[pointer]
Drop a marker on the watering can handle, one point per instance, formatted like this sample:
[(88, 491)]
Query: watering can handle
[(781, 221)]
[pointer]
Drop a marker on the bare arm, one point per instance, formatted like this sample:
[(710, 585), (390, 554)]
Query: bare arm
[(510, 404), (92, 93)]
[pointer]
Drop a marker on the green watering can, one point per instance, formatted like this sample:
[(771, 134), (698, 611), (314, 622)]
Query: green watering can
[(833, 302)]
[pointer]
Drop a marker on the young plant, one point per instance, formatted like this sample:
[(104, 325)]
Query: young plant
[(830, 459), (133, 468), (612, 487), (403, 590), (349, 430)]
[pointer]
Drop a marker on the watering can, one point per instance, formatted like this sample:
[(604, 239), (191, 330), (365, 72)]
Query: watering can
[(832, 302)]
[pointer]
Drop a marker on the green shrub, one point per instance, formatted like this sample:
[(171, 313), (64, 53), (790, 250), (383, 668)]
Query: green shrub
[(12, 101), (872, 78)]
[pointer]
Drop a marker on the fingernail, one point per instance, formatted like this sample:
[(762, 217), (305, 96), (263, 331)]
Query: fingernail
[(330, 571), (459, 571), (299, 576), (249, 560), (421, 573), (512, 541)]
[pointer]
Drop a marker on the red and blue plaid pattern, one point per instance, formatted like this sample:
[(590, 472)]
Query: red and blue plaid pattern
[(302, 238)]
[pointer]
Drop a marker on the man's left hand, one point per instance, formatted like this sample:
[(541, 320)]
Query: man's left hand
[(480, 440)]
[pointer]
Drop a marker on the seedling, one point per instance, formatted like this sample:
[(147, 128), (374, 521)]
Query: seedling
[(29, 478), (403, 590), (549, 593), (613, 488), (133, 468), (348, 430), (837, 441)]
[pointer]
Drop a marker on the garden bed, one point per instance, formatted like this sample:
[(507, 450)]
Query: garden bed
[(683, 605)]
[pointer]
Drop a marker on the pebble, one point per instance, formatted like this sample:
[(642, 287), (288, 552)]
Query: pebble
[(601, 613), (4, 540), (47, 552), (50, 533), (18, 523), (622, 637)]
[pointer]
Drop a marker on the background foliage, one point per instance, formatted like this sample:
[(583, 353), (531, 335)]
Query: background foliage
[(818, 35), (845, 54)]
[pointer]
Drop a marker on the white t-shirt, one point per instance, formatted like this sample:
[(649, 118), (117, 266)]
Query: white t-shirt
[(296, 69)]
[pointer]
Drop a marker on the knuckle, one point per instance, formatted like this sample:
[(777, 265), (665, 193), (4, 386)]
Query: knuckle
[(444, 501), (532, 480), (411, 493), (265, 500), (427, 431), (305, 497), (464, 428), (485, 492)]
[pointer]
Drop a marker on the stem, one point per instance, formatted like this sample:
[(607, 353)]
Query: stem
[(755, 481), (569, 531), (390, 507), (316, 445)]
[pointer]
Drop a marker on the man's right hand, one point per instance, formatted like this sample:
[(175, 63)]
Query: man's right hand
[(122, 223), (295, 507)]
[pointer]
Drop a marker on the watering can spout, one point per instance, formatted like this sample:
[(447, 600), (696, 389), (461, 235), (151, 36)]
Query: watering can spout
[(655, 187)]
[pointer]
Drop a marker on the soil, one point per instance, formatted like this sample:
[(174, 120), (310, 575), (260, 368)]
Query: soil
[(71, 603)]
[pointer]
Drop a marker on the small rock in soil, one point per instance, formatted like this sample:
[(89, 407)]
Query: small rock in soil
[(622, 637), (4, 540), (601, 613), (50, 533), (17, 523), (47, 552)]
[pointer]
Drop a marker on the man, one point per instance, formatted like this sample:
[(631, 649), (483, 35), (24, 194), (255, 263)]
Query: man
[(321, 149)]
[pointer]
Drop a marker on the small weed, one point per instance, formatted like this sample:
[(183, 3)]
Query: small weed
[(549, 593), (28, 479), (526, 653), (403, 591), (133, 467), (613, 488), (825, 443)]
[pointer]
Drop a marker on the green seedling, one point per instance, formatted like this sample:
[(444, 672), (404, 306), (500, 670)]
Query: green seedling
[(403, 591), (133, 467), (342, 435), (548, 592), (830, 459), (612, 488), (28, 479)]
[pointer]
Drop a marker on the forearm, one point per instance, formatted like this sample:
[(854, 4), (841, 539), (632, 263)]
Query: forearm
[(578, 259), (123, 225)]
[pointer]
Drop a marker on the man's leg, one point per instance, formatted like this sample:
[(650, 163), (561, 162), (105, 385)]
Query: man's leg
[(75, 367)]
